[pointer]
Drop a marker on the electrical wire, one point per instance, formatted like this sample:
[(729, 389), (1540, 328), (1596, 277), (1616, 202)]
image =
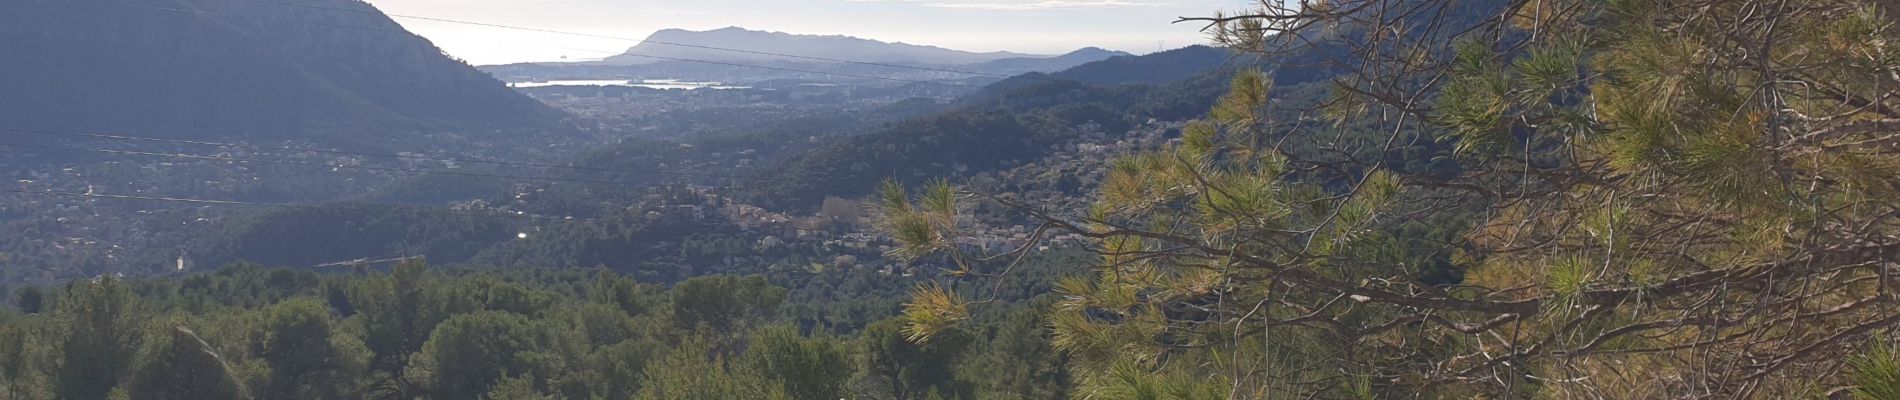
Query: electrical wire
[(95, 135), (330, 207), (371, 154), (319, 165), (366, 261)]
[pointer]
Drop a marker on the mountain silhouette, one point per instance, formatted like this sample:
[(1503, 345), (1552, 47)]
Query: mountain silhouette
[(307, 69), (666, 43)]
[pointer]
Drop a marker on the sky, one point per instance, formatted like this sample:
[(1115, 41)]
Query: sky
[(1025, 26)]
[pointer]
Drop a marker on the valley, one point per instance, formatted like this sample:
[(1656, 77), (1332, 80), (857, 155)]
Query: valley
[(319, 199), (637, 147)]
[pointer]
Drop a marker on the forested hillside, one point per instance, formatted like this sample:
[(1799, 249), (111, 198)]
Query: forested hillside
[(330, 71), (1159, 68), (1057, 63), (1004, 125)]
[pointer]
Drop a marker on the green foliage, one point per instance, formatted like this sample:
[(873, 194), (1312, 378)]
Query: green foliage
[(1552, 66), (282, 237), (1476, 105), (308, 358), (694, 371), (903, 369), (517, 389), (723, 303), (1132, 381), (31, 300), (623, 366), (468, 354), (1876, 373), (103, 321), (253, 332), (398, 311), (1014, 358), (814, 368), (932, 310), (14, 355), (598, 324), (181, 366), (621, 292), (1623, 186), (1190, 237)]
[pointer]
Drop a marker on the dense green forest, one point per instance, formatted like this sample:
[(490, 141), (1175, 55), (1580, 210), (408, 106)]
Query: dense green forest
[(414, 332)]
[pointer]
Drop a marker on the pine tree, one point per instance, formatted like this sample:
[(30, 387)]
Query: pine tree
[(14, 340), (102, 320), (32, 300), (398, 310), (469, 354), (1633, 198), (307, 360), (723, 303), (904, 369), (181, 366), (695, 371), (807, 368)]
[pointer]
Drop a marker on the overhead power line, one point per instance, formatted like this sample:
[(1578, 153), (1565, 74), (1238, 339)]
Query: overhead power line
[(404, 32), (629, 39), (319, 165), (94, 135), (366, 261), (328, 207)]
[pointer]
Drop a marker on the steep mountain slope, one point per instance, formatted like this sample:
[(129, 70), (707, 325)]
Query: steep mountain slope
[(1022, 119), (1157, 68), (1057, 63), (202, 68), (1005, 124), (666, 43)]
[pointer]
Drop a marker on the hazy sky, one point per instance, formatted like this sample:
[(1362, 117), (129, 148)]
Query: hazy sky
[(1029, 26)]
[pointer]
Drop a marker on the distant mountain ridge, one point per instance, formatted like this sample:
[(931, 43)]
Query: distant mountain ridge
[(1157, 68), (206, 68), (825, 46), (1034, 64), (738, 55)]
